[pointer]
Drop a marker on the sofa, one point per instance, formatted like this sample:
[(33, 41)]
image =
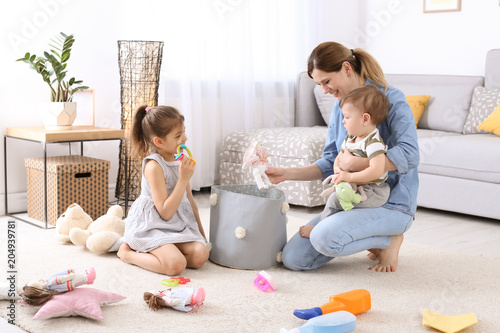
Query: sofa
[(459, 167)]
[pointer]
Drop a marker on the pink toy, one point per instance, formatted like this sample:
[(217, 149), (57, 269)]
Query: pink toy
[(256, 156), (264, 281)]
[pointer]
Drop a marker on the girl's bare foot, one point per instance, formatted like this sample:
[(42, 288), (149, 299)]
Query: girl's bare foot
[(389, 257), (305, 230), (123, 252), (374, 254)]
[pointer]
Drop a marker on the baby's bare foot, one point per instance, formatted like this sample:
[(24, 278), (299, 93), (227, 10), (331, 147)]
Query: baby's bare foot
[(305, 230), (389, 257), (123, 252)]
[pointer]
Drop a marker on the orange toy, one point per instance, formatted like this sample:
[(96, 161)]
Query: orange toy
[(354, 301)]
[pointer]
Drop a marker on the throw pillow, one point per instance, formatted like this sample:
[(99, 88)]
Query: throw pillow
[(84, 302), (484, 101), (417, 103), (492, 123)]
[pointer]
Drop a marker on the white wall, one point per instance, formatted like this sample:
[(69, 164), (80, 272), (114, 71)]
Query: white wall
[(396, 32), (406, 40)]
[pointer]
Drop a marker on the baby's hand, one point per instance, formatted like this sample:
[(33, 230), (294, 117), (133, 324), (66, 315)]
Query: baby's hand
[(342, 176), (186, 169)]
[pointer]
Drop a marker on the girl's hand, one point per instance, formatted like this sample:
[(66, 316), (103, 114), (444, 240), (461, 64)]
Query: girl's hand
[(186, 169), (276, 175)]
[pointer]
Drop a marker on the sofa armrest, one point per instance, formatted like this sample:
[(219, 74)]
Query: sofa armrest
[(307, 113), (492, 71)]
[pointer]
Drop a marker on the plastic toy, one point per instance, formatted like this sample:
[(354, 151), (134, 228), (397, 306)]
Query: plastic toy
[(448, 324), (264, 282), (39, 292), (180, 155), (335, 322), (172, 282), (354, 301), (183, 299), (256, 156)]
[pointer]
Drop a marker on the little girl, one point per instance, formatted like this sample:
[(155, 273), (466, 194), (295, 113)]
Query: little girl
[(163, 232)]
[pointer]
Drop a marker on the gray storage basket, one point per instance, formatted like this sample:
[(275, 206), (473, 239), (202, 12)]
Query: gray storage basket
[(247, 226)]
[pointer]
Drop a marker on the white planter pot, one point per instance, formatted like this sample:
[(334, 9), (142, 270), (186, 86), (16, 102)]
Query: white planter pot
[(58, 115)]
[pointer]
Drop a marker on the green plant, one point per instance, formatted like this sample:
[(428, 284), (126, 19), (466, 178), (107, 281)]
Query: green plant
[(52, 68)]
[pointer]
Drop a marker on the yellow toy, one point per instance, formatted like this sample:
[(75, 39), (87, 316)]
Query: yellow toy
[(448, 324)]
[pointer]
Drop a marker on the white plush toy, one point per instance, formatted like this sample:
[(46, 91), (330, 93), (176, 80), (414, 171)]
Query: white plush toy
[(256, 156), (73, 217), (102, 235)]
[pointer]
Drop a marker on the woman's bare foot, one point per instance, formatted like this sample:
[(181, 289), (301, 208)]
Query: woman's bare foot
[(389, 257), (305, 230), (123, 252), (374, 254)]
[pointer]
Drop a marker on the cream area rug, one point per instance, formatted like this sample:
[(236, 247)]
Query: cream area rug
[(427, 278)]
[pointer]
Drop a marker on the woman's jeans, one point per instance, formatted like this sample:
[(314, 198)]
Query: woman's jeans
[(344, 233)]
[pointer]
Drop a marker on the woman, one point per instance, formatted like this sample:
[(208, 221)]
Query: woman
[(340, 70)]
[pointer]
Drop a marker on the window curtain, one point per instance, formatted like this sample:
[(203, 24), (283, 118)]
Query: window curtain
[(232, 65)]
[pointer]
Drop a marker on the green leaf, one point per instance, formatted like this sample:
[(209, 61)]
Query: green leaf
[(65, 56)]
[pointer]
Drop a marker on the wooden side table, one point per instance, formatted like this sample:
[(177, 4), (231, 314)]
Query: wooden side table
[(76, 134)]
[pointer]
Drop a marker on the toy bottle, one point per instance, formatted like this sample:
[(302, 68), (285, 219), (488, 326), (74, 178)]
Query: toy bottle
[(335, 322), (354, 301)]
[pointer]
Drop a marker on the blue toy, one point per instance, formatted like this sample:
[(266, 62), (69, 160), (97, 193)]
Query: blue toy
[(334, 322)]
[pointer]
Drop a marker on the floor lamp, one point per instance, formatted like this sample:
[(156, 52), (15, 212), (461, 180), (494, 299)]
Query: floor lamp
[(140, 63)]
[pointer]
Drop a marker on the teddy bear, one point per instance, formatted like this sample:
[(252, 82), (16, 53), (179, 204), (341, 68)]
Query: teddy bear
[(73, 217), (102, 235)]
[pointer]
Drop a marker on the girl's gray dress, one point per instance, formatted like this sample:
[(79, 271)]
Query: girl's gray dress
[(145, 229)]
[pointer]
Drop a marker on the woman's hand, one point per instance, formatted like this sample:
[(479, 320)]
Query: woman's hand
[(276, 175), (348, 162)]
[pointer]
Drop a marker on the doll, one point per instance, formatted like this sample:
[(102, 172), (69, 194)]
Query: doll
[(39, 292), (183, 299), (256, 156)]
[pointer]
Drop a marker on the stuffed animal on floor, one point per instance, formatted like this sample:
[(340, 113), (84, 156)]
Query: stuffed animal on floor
[(39, 292), (183, 299), (73, 217), (102, 235), (256, 156)]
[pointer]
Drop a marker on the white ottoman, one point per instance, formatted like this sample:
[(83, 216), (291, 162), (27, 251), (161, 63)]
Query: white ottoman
[(287, 147), (247, 226)]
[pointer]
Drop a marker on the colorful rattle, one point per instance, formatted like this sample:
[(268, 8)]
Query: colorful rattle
[(172, 282), (264, 281), (180, 154)]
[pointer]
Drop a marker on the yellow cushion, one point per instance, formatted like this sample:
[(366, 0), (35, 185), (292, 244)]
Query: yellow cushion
[(417, 103), (492, 123)]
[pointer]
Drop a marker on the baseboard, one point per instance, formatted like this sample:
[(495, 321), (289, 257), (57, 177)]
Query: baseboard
[(18, 201)]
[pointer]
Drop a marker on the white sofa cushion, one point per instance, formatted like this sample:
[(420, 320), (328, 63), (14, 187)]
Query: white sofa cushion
[(450, 99), (474, 157)]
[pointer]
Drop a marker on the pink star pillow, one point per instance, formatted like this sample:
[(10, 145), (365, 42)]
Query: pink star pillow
[(84, 302)]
